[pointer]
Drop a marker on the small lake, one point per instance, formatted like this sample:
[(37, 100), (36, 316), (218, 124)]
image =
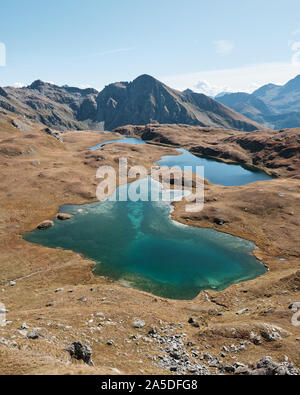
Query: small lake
[(216, 172), (125, 140)]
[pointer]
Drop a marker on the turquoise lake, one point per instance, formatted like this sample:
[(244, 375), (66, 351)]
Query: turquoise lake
[(137, 243)]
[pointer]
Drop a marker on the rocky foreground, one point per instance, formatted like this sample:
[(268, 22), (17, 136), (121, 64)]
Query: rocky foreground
[(61, 319)]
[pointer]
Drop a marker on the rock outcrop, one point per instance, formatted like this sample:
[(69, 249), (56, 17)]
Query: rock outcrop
[(267, 367)]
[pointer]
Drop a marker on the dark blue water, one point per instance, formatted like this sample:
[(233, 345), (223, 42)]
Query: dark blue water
[(137, 244), (216, 172), (125, 140)]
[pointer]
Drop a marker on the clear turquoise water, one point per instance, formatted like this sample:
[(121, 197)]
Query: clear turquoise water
[(138, 244), (216, 172), (125, 140)]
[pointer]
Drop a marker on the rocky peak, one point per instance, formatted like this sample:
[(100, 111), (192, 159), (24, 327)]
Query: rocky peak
[(38, 84), (188, 92)]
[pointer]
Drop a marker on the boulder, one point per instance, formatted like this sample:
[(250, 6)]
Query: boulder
[(138, 324), (33, 335), (220, 221), (45, 225), (63, 217), (54, 134), (294, 306), (81, 352), (242, 311)]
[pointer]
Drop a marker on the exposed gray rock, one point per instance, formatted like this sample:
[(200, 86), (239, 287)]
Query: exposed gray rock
[(276, 369), (270, 336), (194, 323), (177, 358), (242, 311), (138, 324), (54, 134), (294, 306), (24, 326), (33, 335), (83, 299), (81, 352), (220, 221), (255, 338), (267, 367), (3, 92)]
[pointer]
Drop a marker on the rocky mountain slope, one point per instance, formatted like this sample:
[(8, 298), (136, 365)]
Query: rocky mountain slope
[(138, 102), (272, 105), (59, 107), (147, 99)]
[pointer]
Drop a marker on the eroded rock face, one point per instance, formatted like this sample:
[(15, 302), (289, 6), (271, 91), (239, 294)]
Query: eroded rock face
[(81, 352)]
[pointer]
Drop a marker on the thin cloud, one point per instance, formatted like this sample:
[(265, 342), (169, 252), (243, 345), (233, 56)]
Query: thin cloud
[(2, 55), (111, 52), (242, 79), (210, 89), (295, 47), (18, 85), (104, 53), (224, 47)]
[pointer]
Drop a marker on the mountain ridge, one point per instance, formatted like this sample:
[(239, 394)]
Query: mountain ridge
[(141, 101), (274, 106)]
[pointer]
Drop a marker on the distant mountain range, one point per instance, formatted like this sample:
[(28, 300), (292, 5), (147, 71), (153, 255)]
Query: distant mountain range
[(140, 102), (274, 106)]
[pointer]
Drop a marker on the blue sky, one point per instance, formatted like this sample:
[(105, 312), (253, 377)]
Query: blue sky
[(208, 46)]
